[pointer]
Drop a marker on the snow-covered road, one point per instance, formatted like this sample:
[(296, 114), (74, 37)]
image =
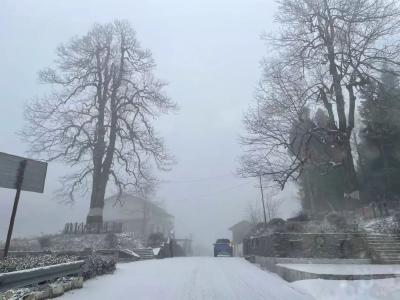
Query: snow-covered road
[(188, 279)]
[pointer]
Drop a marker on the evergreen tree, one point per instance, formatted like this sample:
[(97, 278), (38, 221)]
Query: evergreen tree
[(379, 149)]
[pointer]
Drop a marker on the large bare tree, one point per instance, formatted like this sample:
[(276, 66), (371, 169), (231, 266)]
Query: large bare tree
[(98, 117), (281, 99), (334, 48)]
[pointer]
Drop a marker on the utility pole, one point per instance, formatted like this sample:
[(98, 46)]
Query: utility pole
[(262, 200)]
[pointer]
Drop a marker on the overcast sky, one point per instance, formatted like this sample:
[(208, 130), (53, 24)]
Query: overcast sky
[(208, 51)]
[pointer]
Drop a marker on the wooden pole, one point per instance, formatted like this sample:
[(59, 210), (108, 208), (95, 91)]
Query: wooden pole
[(20, 179), (263, 203)]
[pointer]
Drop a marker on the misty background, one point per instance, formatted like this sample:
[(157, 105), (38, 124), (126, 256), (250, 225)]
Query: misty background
[(208, 52)]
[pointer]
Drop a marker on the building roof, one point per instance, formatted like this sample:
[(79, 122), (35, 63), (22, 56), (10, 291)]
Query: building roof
[(127, 199), (242, 224)]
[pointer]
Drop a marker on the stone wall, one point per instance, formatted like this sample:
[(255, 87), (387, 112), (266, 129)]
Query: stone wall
[(272, 264), (308, 245)]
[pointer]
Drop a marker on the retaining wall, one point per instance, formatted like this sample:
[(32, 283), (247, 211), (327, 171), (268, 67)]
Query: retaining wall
[(308, 245)]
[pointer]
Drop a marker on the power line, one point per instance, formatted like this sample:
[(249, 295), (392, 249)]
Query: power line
[(223, 190), (198, 179), (230, 188)]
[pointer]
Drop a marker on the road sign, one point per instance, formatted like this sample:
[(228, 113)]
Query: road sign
[(34, 174), (21, 174)]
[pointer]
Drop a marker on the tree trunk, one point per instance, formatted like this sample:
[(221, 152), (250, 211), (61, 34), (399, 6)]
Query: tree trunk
[(311, 198), (95, 215), (102, 168), (385, 169), (351, 183), (350, 178)]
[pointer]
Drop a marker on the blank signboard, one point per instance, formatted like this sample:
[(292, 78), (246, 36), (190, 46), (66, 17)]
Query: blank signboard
[(34, 176)]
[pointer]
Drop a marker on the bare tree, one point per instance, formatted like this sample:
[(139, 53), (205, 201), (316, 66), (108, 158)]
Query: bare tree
[(253, 213), (272, 202), (333, 47), (256, 210), (98, 117), (281, 102)]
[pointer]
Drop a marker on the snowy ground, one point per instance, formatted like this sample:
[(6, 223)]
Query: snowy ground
[(342, 269), (189, 278), (381, 289)]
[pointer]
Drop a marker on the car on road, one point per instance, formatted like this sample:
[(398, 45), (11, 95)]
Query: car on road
[(223, 247)]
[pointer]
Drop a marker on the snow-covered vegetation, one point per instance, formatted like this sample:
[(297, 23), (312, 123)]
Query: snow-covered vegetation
[(94, 264), (381, 225), (98, 265), (77, 242), (12, 264)]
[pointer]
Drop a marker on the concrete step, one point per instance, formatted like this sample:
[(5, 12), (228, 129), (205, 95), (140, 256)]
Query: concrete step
[(395, 237), (388, 247), (144, 253), (382, 235), (384, 243), (383, 249), (388, 257), (388, 253), (389, 261), (383, 238)]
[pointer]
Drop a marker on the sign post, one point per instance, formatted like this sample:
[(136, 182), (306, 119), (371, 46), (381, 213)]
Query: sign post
[(20, 178), (21, 174)]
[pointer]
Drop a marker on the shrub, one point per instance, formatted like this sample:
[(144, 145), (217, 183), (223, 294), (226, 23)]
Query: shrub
[(44, 242), (98, 265), (155, 239), (337, 221), (111, 240)]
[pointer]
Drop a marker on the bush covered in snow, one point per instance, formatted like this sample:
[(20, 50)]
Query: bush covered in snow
[(388, 225), (23, 244), (76, 242), (94, 264), (98, 265), (44, 242), (11, 264), (111, 240)]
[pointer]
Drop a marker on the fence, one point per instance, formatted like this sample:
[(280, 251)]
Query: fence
[(81, 253), (380, 209), (82, 228), (38, 275)]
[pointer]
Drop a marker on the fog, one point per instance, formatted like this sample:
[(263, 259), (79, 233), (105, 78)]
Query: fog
[(208, 52)]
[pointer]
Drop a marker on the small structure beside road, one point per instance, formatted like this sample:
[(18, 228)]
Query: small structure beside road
[(239, 233)]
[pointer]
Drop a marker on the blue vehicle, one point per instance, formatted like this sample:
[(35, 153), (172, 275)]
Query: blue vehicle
[(223, 247)]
